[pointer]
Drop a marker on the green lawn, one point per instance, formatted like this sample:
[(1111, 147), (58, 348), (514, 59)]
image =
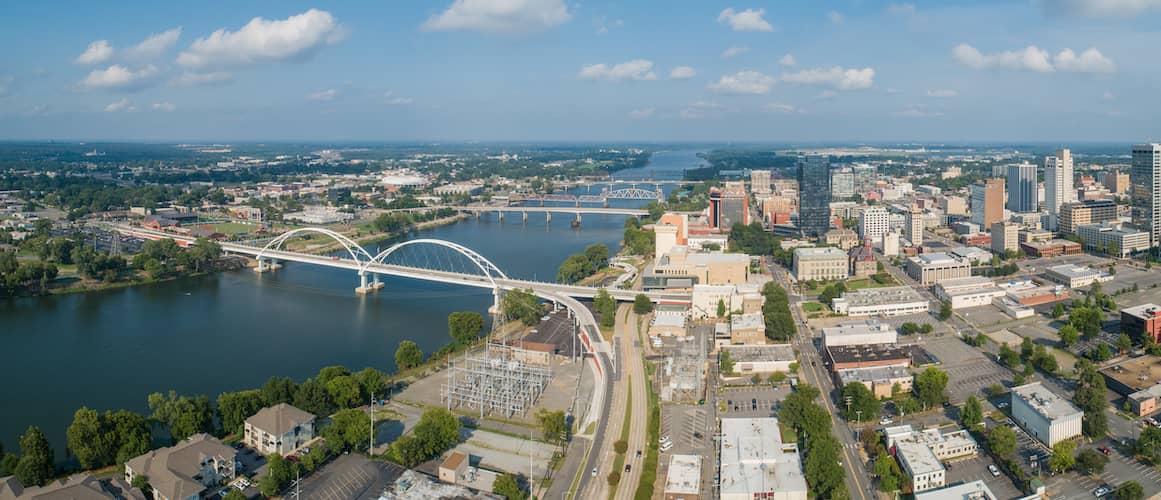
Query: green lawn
[(812, 306), (229, 228)]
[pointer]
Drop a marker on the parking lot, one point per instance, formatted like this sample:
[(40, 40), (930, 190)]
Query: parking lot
[(976, 469), (350, 477), (752, 402), (1120, 469), (691, 430), (968, 370)]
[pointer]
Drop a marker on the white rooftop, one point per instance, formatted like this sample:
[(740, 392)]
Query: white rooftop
[(1073, 271), (934, 258), (684, 476), (819, 253), (879, 296), (919, 457), (755, 461), (747, 321), (975, 490), (1044, 402)]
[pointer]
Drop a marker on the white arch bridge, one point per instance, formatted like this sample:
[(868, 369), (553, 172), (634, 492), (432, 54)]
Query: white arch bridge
[(475, 270)]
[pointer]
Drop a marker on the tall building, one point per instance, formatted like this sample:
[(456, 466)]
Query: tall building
[(874, 222), (988, 202), (760, 181), (813, 195), (1145, 178), (913, 226), (842, 184), (1058, 188), (1022, 188), (729, 206), (1116, 182), (865, 177), (1079, 213), (1005, 236)]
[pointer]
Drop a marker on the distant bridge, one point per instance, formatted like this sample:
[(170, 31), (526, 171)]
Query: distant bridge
[(478, 210)]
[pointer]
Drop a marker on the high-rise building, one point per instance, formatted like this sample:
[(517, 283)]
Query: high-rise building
[(1058, 188), (987, 202), (842, 184), (813, 195), (1022, 188), (1145, 178), (760, 181), (913, 226), (729, 206), (1005, 236), (865, 177), (1116, 182), (1076, 214), (873, 222)]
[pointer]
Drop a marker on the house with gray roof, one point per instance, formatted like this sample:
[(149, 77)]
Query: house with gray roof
[(280, 429), (185, 470), (78, 487)]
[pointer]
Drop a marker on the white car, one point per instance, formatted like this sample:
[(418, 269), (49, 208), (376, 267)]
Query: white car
[(666, 447), (594, 472), (994, 470), (664, 439), (1100, 492), (886, 421)]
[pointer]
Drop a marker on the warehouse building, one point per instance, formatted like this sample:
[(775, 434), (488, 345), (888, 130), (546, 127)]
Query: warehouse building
[(750, 359), (931, 268), (972, 291), (755, 463), (683, 479), (890, 301), (1044, 415), (851, 357), (1073, 276), (865, 332)]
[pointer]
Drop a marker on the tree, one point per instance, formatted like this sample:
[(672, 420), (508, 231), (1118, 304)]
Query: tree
[(521, 305), (1010, 358), (1090, 462), (1129, 490), (1062, 458), (606, 306), (1069, 335), (620, 446), (508, 486), (931, 386), (1026, 348), (235, 407), (945, 311), (312, 396), (909, 328), (437, 430), (553, 424), (725, 364), (132, 431), (408, 355), (863, 404), (465, 326), (1002, 441), (350, 429), (1090, 397), (613, 478), (185, 416), (35, 467), (89, 440), (642, 304), (344, 391), (279, 473), (721, 308), (1102, 352), (1149, 444), (823, 473), (1124, 343), (1057, 310), (973, 412), (888, 471), (278, 390), (234, 494), (371, 382)]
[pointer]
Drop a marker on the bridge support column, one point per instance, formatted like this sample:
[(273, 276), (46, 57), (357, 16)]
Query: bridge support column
[(578, 218), (548, 217), (524, 217), (364, 287), (265, 265)]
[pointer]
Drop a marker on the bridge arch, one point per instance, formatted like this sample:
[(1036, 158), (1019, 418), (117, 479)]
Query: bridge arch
[(353, 248), (490, 270)]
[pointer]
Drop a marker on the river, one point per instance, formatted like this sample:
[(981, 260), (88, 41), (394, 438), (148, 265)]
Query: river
[(231, 331)]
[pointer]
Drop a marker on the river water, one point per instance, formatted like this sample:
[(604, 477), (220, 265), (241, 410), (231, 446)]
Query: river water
[(231, 331)]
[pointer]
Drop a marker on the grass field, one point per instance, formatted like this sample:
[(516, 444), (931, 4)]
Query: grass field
[(229, 228), (811, 306)]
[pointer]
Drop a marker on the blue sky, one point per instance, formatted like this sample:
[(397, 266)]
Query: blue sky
[(444, 70)]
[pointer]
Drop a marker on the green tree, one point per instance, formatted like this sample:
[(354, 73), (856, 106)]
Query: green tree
[(278, 390), (931, 386), (344, 391), (1090, 397), (350, 429), (721, 308), (235, 407), (184, 416), (862, 405), (945, 311), (508, 486), (312, 396), (437, 430), (328, 373), (90, 440), (1129, 490), (642, 304), (234, 494), (822, 470), (465, 326), (371, 383), (1069, 335), (521, 305), (606, 307), (35, 467), (1062, 458), (1149, 444), (1124, 343), (1058, 310), (725, 364), (1002, 441), (1009, 357), (888, 471), (973, 412), (132, 431), (408, 355), (553, 424), (1088, 461), (1026, 348), (279, 473)]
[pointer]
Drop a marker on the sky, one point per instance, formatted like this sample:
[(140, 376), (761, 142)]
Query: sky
[(590, 70)]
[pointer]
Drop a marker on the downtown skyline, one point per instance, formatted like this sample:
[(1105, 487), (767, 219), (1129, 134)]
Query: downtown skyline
[(548, 70)]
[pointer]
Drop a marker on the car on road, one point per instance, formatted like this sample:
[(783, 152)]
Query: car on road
[(886, 421), (1105, 450), (1002, 404), (994, 470), (628, 467), (1100, 492), (594, 472), (638, 453)]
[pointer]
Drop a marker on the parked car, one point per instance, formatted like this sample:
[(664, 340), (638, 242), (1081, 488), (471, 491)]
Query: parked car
[(1105, 450), (1100, 492), (886, 421), (994, 470), (1002, 404)]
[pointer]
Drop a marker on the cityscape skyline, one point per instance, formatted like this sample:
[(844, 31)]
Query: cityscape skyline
[(550, 71)]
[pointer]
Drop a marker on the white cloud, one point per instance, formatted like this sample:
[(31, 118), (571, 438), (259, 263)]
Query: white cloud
[(746, 20), (500, 16), (788, 60), (118, 77), (1033, 58), (390, 98), (743, 82), (1089, 61), (942, 93), (604, 24), (163, 106), (322, 95), (1100, 8), (122, 105), (836, 76), (682, 73), (643, 113), (297, 37), (154, 45), (918, 111), (190, 78), (97, 53), (835, 17), (780, 107), (637, 69), (902, 9), (734, 51)]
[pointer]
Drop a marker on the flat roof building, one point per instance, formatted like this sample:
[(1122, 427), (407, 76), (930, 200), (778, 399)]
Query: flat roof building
[(683, 479), (825, 263), (1113, 238), (921, 453), (748, 329), (768, 358), (975, 490), (880, 380), (1074, 276), (755, 463), (972, 291), (1139, 321), (889, 301), (850, 357), (931, 268), (1044, 415), (865, 332)]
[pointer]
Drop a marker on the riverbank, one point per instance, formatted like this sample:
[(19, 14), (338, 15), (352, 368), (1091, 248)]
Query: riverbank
[(82, 285), (373, 238)]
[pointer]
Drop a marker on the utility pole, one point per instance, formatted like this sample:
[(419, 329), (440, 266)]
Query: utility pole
[(371, 449), (297, 480)]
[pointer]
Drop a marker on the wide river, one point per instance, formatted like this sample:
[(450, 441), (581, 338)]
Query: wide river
[(231, 331)]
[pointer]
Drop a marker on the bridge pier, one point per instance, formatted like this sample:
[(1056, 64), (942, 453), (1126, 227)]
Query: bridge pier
[(264, 266), (548, 217), (524, 216), (365, 287), (500, 213), (578, 218)]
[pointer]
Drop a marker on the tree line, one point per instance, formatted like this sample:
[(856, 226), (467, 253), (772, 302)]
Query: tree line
[(780, 325), (582, 265)]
